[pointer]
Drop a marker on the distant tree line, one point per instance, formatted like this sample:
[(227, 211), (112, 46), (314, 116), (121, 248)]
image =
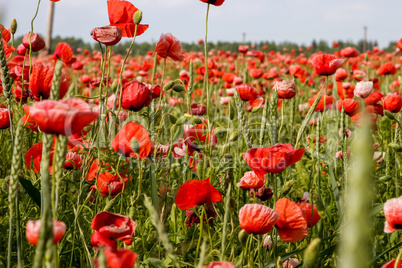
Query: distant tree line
[(143, 47)]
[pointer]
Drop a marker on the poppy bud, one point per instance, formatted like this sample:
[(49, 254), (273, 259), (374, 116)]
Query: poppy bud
[(168, 85), (179, 88), (37, 42), (137, 17), (173, 119), (389, 115), (385, 178), (108, 35), (311, 254), (181, 120), (13, 27), (195, 120), (243, 235)]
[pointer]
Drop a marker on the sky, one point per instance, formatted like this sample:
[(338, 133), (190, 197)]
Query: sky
[(298, 21)]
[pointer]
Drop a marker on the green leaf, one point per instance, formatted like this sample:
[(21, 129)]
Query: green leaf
[(31, 190)]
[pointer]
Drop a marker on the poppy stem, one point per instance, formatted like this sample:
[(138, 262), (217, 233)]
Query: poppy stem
[(200, 236), (206, 75)]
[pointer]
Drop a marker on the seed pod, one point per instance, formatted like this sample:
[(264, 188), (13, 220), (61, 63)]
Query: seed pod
[(179, 88), (168, 85), (137, 17), (311, 254), (13, 26)]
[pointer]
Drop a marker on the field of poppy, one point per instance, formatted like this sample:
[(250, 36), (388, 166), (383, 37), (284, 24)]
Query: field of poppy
[(176, 158)]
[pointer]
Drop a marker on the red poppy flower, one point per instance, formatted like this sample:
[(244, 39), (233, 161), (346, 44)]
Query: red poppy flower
[(375, 109), (27, 120), (310, 213), (349, 52), (352, 107), (66, 117), (119, 258), (99, 241), (35, 154), (387, 68), (196, 137), (274, 159), (291, 226), (156, 90), (341, 74), (114, 226), (220, 264), (214, 2), (169, 46), (33, 229), (256, 73), (320, 107), (228, 77), (286, 89), (123, 141), (41, 80), (5, 118), (37, 42), (197, 109), (391, 264), (256, 103), (5, 34), (107, 35), (64, 52), (399, 44), (393, 215), (196, 193), (373, 98), (246, 92), (73, 161), (109, 184), (392, 103), (250, 181), (326, 64), (121, 14), (257, 218), (135, 96)]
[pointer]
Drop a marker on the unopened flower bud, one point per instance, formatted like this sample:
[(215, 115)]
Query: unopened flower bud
[(173, 119), (168, 85), (389, 115), (13, 26), (243, 235), (178, 88), (137, 17), (234, 136), (181, 120)]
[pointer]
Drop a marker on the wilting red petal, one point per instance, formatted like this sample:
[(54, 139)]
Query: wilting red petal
[(310, 213), (196, 193), (291, 226), (257, 218), (5, 33)]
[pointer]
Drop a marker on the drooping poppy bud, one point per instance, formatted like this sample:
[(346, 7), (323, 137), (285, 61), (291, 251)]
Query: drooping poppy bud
[(37, 42), (107, 35)]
